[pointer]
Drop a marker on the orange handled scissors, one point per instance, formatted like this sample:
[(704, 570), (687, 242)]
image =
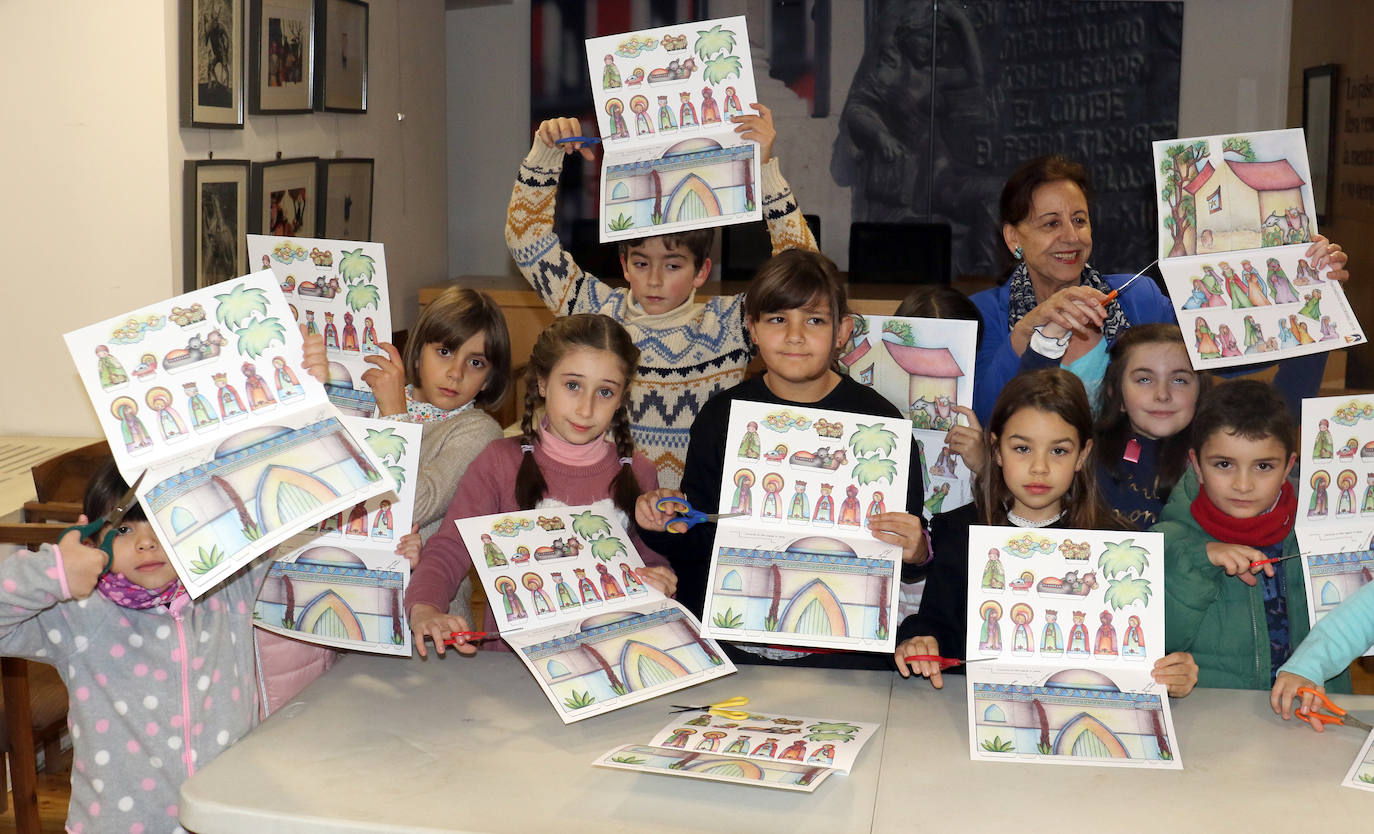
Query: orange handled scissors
[(1111, 296), (1336, 714), (1259, 563)]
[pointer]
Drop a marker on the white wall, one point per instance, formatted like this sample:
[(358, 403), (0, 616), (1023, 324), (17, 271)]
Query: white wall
[(92, 181), (1234, 76)]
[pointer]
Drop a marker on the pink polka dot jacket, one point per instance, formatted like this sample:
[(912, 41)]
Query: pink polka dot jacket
[(155, 694)]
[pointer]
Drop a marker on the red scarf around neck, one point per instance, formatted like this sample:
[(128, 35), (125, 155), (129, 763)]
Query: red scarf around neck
[(1263, 530)]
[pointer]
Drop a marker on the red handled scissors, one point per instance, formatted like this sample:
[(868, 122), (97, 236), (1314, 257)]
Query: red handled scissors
[(945, 662), (1336, 714), (468, 637), (1259, 563)]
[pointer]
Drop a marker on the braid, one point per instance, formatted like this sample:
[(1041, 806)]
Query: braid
[(529, 480), (624, 487)]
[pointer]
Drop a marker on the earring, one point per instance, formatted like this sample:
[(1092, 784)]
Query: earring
[(1018, 254)]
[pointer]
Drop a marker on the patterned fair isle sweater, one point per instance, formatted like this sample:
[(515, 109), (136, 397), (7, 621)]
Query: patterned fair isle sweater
[(688, 354)]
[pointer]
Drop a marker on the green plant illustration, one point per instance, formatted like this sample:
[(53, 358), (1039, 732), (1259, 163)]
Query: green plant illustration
[(626, 758), (287, 622), (867, 440), (727, 619), (589, 525), (607, 547), (362, 296), (620, 223), (830, 731), (239, 304), (998, 745), (1043, 749), (880, 632), (1123, 592), (713, 47), (874, 469), (354, 266), (1169, 757), (902, 330), (251, 531), (386, 443), (258, 335), (1367, 778), (1122, 558), (207, 561), (398, 473), (770, 623), (619, 688), (578, 700)]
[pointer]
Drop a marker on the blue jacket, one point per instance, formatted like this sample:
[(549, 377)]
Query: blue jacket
[(1338, 638), (997, 363)]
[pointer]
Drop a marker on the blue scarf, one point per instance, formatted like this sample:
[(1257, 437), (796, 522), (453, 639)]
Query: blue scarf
[(1022, 300)]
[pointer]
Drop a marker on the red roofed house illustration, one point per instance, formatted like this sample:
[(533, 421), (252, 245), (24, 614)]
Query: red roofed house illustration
[(922, 381), (1246, 205)]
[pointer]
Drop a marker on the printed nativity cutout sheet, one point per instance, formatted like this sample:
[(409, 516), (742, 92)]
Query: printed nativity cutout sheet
[(1361, 775), (664, 98), (241, 447), (924, 367), (1074, 622), (562, 585), (341, 583), (1336, 500), (337, 289), (785, 751), (1236, 219), (800, 567)]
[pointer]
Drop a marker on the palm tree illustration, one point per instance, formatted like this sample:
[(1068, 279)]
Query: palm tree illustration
[(713, 47), (239, 304), (874, 469), (770, 623), (1044, 721), (258, 335), (250, 527), (288, 619), (1123, 592), (616, 686), (607, 548), (397, 636), (1123, 557), (589, 525), (386, 443), (1160, 738), (867, 440)]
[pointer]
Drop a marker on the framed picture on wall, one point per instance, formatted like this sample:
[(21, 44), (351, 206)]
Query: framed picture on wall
[(341, 60), (1319, 123), (282, 44), (284, 197), (346, 199), (216, 219), (212, 63)]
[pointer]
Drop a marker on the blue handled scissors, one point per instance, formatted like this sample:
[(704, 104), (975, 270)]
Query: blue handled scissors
[(687, 516), (113, 518)]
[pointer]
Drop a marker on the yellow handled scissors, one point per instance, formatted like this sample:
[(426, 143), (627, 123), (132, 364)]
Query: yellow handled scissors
[(725, 709)]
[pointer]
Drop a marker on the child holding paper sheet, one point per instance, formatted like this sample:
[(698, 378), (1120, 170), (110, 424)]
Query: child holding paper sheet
[(580, 453), (798, 317), (1038, 474), (689, 351), (1241, 616), (159, 683)]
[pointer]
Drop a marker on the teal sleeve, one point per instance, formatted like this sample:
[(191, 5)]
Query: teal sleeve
[(1338, 638)]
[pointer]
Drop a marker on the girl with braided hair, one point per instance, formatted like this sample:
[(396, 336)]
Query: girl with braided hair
[(577, 451)]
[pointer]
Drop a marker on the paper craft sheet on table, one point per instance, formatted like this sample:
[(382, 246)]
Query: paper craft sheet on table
[(1361, 775), (337, 289), (800, 568), (341, 583), (1236, 219), (1335, 521), (779, 751), (664, 98), (563, 587), (241, 447), (1075, 620), (924, 367)]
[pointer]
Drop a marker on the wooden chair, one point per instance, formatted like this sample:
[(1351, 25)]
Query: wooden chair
[(34, 703), (60, 484)]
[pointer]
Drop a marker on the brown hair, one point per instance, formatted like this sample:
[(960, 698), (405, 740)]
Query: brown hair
[(1015, 204), (1058, 392), (795, 279), (697, 242), (1114, 424), (455, 316), (1248, 408), (568, 333), (934, 302), (104, 490)]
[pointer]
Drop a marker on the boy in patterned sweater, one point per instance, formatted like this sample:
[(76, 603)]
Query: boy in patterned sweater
[(688, 351)]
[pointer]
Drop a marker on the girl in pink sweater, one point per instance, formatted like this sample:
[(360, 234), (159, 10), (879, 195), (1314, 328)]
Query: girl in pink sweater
[(579, 453)]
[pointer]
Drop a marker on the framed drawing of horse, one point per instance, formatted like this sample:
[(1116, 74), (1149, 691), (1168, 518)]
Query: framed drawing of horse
[(217, 211), (212, 63)]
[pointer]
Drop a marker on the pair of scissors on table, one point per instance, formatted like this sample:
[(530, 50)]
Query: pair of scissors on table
[(725, 709), (687, 516), (1336, 715), (113, 518), (945, 662)]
